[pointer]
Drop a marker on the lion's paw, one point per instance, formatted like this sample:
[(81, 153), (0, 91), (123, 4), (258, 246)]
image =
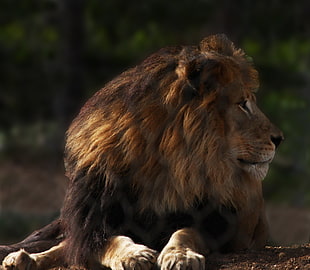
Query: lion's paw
[(179, 258), (19, 260), (138, 258)]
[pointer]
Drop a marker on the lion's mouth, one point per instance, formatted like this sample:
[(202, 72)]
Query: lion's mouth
[(249, 162), (258, 169)]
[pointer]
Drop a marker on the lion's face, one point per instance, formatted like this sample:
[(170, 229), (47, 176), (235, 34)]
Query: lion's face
[(252, 138), (240, 138)]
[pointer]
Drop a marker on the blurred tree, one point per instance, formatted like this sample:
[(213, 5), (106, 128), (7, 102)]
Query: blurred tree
[(72, 42), (56, 53)]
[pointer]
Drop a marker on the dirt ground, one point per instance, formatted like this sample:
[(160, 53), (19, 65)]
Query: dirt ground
[(277, 258)]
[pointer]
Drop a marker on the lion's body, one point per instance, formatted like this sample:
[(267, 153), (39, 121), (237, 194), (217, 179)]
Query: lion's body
[(176, 142)]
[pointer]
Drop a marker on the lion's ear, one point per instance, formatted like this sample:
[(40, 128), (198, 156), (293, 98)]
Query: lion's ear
[(202, 75), (219, 44)]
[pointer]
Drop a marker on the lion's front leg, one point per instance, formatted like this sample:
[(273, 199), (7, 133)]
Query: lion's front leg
[(22, 260), (121, 253), (261, 232), (183, 251), (252, 230)]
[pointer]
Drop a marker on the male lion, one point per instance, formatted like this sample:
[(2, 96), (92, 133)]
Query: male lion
[(167, 157)]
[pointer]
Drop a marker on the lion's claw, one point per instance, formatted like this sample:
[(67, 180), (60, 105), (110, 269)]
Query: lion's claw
[(142, 258), (180, 259), (19, 260)]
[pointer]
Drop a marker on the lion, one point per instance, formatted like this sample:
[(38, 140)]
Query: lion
[(165, 165)]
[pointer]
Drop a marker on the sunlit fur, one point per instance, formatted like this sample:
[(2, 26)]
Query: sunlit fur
[(167, 128)]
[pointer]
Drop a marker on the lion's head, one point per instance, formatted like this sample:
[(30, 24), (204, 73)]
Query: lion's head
[(181, 126)]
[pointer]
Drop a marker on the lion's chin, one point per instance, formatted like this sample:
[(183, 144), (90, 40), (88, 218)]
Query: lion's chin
[(257, 170)]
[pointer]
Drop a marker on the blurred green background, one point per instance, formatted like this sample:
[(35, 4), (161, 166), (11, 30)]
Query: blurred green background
[(54, 54)]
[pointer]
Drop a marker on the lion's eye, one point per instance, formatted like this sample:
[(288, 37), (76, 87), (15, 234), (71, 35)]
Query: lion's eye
[(245, 106)]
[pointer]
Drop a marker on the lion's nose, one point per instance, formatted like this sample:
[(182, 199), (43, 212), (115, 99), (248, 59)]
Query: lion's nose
[(276, 140)]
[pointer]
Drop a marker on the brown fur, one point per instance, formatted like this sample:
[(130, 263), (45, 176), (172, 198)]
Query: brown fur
[(179, 133)]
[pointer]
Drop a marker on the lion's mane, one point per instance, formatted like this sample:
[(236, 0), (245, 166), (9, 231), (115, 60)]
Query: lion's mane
[(155, 133)]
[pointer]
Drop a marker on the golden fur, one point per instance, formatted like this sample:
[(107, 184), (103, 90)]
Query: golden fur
[(178, 133)]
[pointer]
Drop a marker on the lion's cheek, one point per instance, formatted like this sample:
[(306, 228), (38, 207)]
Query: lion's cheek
[(257, 171)]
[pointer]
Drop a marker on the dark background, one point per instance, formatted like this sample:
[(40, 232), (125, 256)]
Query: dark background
[(54, 54)]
